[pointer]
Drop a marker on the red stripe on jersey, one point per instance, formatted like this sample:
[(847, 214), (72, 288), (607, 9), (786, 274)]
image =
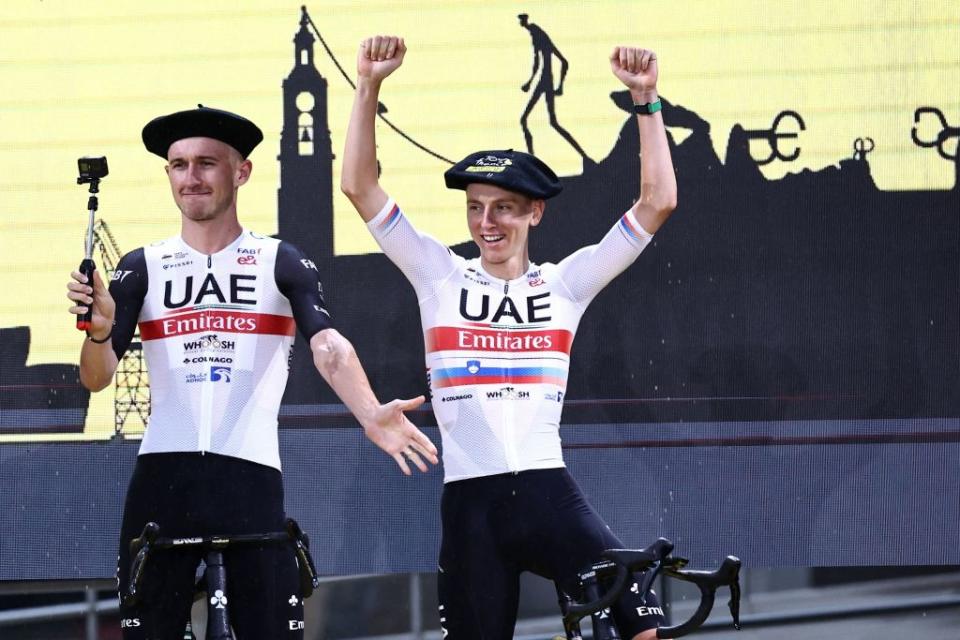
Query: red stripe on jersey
[(211, 320), (469, 339)]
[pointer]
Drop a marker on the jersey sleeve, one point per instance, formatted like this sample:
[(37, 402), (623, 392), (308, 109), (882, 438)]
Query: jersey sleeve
[(423, 260), (128, 288), (298, 279), (586, 272)]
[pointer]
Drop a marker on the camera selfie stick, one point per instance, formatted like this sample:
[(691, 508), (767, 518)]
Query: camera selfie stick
[(91, 171)]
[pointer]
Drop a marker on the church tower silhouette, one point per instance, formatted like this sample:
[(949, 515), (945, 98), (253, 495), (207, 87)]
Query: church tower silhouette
[(305, 196)]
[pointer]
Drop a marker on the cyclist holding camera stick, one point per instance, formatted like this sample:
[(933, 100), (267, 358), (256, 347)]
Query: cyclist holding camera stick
[(497, 332), (218, 307)]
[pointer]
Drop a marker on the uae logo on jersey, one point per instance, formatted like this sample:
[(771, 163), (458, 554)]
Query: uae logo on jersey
[(219, 373)]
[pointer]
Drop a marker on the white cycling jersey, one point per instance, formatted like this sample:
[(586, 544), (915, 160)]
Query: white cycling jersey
[(217, 333), (498, 352)]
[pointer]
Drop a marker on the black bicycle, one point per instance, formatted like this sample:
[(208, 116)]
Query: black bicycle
[(214, 581), (604, 582)]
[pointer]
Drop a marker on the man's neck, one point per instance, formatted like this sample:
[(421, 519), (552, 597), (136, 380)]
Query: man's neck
[(210, 236), (509, 270)]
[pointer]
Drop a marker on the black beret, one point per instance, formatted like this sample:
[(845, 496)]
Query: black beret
[(202, 122), (507, 169)]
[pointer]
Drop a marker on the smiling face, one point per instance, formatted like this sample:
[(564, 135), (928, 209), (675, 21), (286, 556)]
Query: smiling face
[(204, 177), (499, 222)]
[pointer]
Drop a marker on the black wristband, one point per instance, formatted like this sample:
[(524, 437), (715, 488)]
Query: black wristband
[(95, 341), (647, 109)]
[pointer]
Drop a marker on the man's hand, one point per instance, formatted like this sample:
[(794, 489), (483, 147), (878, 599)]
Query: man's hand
[(98, 297), (380, 56), (394, 433), (636, 68)]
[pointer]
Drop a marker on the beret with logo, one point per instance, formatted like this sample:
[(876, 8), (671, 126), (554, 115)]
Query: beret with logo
[(202, 122), (508, 169)]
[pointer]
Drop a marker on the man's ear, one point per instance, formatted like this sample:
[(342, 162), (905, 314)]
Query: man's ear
[(537, 207), (243, 172)]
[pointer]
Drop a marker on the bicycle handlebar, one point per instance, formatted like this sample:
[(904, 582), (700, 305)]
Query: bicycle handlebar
[(141, 546), (625, 561), (656, 558), (728, 574)]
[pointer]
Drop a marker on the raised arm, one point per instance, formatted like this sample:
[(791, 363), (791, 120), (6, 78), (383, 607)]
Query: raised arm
[(637, 69), (378, 57)]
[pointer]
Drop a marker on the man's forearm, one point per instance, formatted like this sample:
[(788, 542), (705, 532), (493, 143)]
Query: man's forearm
[(359, 180), (337, 361), (658, 183), (98, 363)]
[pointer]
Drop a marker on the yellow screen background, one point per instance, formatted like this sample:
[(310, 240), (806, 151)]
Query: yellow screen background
[(83, 78)]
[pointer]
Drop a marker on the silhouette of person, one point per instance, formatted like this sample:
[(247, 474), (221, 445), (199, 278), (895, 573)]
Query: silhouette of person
[(543, 52)]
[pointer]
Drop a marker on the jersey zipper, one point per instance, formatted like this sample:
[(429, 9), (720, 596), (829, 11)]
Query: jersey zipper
[(509, 418), (206, 401)]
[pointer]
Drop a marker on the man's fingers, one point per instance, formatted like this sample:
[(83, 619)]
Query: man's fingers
[(98, 283), (78, 310), (645, 59), (424, 444), (408, 405), (79, 293), (384, 47), (402, 462), (414, 457), (615, 56)]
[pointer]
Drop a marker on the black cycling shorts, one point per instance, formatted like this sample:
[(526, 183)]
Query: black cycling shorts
[(496, 527), (193, 494)]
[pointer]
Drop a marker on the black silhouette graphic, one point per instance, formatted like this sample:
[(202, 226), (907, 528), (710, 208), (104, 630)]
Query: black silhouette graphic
[(945, 134), (816, 295), (861, 147), (543, 52), (42, 398), (765, 299), (305, 19), (773, 135)]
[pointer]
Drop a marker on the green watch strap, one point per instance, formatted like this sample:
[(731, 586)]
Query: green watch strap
[(648, 108)]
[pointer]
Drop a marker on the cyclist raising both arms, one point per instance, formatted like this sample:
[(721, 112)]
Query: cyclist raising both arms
[(218, 307), (498, 332)]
